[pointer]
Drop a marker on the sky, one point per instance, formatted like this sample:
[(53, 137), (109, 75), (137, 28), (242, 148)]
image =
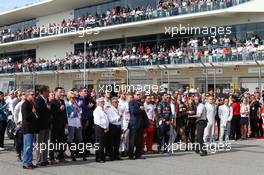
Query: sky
[(11, 4)]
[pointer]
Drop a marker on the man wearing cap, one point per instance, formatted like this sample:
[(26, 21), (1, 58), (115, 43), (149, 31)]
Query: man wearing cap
[(114, 118), (101, 127)]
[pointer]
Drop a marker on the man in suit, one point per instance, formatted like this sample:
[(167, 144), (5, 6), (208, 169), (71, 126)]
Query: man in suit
[(82, 103), (43, 122), (29, 125), (136, 126), (58, 124)]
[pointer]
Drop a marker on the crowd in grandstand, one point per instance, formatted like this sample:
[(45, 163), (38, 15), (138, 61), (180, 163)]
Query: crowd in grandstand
[(114, 124), (116, 15), (194, 50)]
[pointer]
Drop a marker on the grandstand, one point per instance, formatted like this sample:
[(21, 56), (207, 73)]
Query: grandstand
[(75, 43)]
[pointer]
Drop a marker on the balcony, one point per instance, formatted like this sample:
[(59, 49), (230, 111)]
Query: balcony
[(118, 19), (152, 61)]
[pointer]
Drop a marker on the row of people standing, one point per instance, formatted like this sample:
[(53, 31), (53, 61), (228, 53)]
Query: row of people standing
[(125, 124), (44, 117)]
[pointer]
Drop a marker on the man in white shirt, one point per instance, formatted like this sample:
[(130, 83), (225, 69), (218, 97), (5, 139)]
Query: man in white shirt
[(107, 101), (225, 113), (101, 125), (115, 119), (149, 132), (124, 111), (200, 125), (211, 113), (18, 121)]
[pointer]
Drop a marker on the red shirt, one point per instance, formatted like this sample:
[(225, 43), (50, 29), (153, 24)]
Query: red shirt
[(236, 108)]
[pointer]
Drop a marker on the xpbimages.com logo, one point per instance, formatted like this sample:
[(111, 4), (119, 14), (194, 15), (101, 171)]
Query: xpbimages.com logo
[(188, 29), (81, 31), (210, 147), (116, 88), (81, 147)]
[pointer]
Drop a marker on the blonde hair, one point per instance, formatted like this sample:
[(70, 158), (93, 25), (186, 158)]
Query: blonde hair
[(70, 95)]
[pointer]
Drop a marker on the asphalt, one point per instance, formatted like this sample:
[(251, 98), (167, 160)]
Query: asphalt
[(245, 158)]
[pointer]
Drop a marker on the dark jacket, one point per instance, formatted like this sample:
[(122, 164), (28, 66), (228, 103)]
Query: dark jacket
[(136, 115), (161, 106), (58, 117), (91, 108), (82, 103), (43, 114), (29, 119), (3, 109)]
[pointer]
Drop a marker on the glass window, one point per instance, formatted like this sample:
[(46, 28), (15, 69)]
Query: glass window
[(21, 25), (99, 9), (141, 3), (260, 26), (251, 27)]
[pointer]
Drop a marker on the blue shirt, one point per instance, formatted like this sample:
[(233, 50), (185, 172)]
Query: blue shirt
[(74, 118)]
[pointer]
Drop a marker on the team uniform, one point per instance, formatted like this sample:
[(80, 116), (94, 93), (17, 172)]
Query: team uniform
[(149, 132), (225, 113), (209, 132), (124, 111)]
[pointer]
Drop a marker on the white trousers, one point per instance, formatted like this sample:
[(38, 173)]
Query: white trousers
[(209, 132), (224, 131), (124, 140)]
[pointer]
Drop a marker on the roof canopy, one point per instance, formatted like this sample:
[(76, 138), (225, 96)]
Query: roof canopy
[(43, 8)]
